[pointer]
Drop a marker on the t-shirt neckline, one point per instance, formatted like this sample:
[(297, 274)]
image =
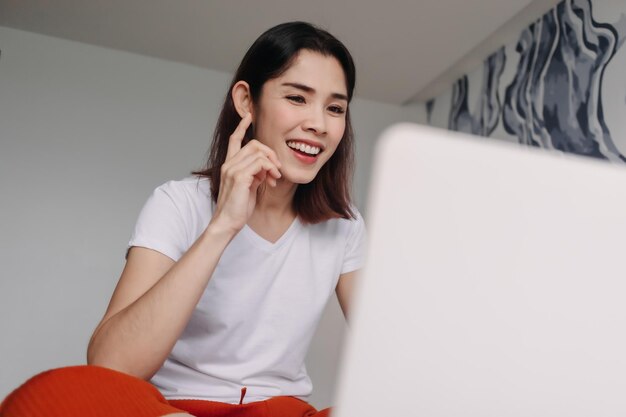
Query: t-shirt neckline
[(266, 244)]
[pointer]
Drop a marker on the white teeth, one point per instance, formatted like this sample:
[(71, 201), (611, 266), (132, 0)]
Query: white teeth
[(302, 147)]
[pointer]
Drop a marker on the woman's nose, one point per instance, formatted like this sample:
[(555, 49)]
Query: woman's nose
[(315, 122)]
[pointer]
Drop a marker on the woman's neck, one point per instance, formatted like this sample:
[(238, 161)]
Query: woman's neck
[(274, 212), (276, 201)]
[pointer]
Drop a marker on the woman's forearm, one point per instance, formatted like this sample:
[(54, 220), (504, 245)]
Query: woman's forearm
[(137, 339)]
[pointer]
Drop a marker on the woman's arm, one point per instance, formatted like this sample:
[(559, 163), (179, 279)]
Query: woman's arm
[(152, 304), (156, 296), (345, 291)]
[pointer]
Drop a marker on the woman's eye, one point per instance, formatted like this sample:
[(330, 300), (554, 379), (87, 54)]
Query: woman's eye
[(337, 109), (296, 99)]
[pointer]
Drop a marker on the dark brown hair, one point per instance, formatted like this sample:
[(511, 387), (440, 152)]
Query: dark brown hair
[(328, 194)]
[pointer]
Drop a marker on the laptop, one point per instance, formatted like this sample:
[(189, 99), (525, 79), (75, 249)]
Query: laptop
[(495, 284)]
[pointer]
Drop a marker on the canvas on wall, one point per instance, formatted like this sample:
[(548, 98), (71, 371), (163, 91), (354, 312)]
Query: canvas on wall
[(560, 86)]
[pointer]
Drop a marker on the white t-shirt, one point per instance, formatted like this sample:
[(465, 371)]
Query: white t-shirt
[(254, 322)]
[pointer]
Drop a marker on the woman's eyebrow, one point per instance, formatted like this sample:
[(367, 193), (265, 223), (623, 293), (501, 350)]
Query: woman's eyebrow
[(311, 90)]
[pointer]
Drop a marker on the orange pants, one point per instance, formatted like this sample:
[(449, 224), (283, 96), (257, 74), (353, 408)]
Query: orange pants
[(92, 391)]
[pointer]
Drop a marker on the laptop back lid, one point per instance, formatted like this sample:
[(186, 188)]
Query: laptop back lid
[(495, 283)]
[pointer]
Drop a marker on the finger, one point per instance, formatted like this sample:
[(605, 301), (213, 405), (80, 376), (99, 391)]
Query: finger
[(260, 177), (260, 161), (248, 156), (252, 166), (234, 142), (267, 151), (263, 177), (235, 150)]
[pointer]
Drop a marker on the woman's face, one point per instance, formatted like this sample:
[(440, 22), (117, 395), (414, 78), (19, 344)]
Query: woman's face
[(302, 115)]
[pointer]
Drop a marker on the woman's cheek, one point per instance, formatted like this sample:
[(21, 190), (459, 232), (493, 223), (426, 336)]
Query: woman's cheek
[(284, 113), (338, 129)]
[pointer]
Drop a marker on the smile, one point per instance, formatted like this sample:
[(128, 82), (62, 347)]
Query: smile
[(304, 148)]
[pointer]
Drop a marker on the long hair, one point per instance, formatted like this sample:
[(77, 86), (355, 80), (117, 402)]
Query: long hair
[(328, 194)]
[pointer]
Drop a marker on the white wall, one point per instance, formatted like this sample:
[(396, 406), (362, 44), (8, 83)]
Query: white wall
[(86, 133)]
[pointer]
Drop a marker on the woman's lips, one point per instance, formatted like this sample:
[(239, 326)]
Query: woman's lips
[(307, 146), (303, 157), (305, 151)]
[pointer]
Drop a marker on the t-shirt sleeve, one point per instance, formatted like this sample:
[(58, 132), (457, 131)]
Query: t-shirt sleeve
[(356, 246), (160, 225)]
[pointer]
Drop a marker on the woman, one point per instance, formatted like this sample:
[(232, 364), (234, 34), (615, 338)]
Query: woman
[(228, 272)]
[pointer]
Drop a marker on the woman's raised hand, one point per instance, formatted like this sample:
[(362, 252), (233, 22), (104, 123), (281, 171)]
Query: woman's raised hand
[(243, 171)]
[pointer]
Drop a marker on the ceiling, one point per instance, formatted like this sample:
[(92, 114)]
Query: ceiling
[(405, 50)]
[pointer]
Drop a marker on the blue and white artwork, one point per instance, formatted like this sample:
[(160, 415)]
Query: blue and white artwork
[(485, 120), (561, 86)]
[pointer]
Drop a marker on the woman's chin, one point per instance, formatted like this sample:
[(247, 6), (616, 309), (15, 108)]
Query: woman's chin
[(299, 178)]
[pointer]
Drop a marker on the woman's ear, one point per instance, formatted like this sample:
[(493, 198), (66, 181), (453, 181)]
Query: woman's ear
[(242, 99)]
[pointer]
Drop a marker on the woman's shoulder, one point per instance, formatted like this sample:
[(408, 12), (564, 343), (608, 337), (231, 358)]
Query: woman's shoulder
[(191, 187), (173, 216), (190, 196), (346, 238), (343, 226), (356, 219)]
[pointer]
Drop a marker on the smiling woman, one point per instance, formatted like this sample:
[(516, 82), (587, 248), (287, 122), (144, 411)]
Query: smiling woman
[(263, 77), (228, 271), (302, 123)]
